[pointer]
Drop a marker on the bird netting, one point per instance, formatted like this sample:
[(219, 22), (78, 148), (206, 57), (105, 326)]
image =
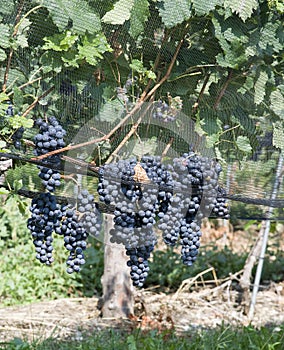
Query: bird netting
[(85, 65), (148, 110)]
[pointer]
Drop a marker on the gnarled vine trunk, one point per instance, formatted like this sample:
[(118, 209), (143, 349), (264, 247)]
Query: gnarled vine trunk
[(117, 300)]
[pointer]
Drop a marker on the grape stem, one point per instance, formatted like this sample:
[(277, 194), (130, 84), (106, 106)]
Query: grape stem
[(224, 88)]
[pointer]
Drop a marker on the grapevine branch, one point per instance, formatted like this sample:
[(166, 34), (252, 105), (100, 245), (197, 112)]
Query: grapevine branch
[(196, 105), (32, 106), (223, 90), (145, 96), (128, 136), (25, 84)]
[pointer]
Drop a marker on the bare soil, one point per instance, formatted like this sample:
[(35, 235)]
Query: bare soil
[(195, 305)]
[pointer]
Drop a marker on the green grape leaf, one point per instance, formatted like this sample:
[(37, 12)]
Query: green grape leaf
[(137, 66), (142, 147), (243, 144), (203, 7), (277, 103), (259, 87), (269, 37), (18, 99), (93, 48), (2, 144), (211, 140), (244, 8), (60, 42), (120, 13), (83, 17), (3, 97), (17, 121), (5, 36), (3, 55), (278, 135), (231, 34), (173, 14), (51, 61), (6, 7), (22, 40), (3, 191), (138, 16), (111, 111)]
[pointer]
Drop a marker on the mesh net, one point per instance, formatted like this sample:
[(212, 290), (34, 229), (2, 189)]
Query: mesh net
[(104, 124)]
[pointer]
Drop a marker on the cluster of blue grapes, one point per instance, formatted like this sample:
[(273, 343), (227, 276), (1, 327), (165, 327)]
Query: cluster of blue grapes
[(18, 134), (167, 112), (50, 138), (178, 196), (123, 92), (47, 216), (136, 207), (195, 196)]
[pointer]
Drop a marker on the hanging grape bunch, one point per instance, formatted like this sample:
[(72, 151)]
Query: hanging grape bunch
[(17, 133), (167, 112), (48, 216), (177, 196), (143, 193)]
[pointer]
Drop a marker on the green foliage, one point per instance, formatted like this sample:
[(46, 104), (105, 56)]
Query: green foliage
[(237, 44), (75, 50), (24, 279), (174, 14), (223, 337), (120, 12), (244, 8), (168, 272), (82, 15)]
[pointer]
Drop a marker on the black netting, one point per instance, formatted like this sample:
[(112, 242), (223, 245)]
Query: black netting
[(216, 119)]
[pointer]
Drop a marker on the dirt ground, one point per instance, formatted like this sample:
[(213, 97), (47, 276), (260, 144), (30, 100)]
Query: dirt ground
[(195, 305)]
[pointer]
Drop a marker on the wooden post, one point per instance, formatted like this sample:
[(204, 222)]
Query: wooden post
[(117, 300)]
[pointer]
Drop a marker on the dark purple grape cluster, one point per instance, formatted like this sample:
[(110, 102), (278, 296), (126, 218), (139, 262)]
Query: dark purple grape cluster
[(189, 239), (18, 134), (50, 138), (136, 207), (46, 215), (74, 226), (75, 240), (17, 137), (167, 112), (90, 216), (221, 208), (178, 196), (138, 263)]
